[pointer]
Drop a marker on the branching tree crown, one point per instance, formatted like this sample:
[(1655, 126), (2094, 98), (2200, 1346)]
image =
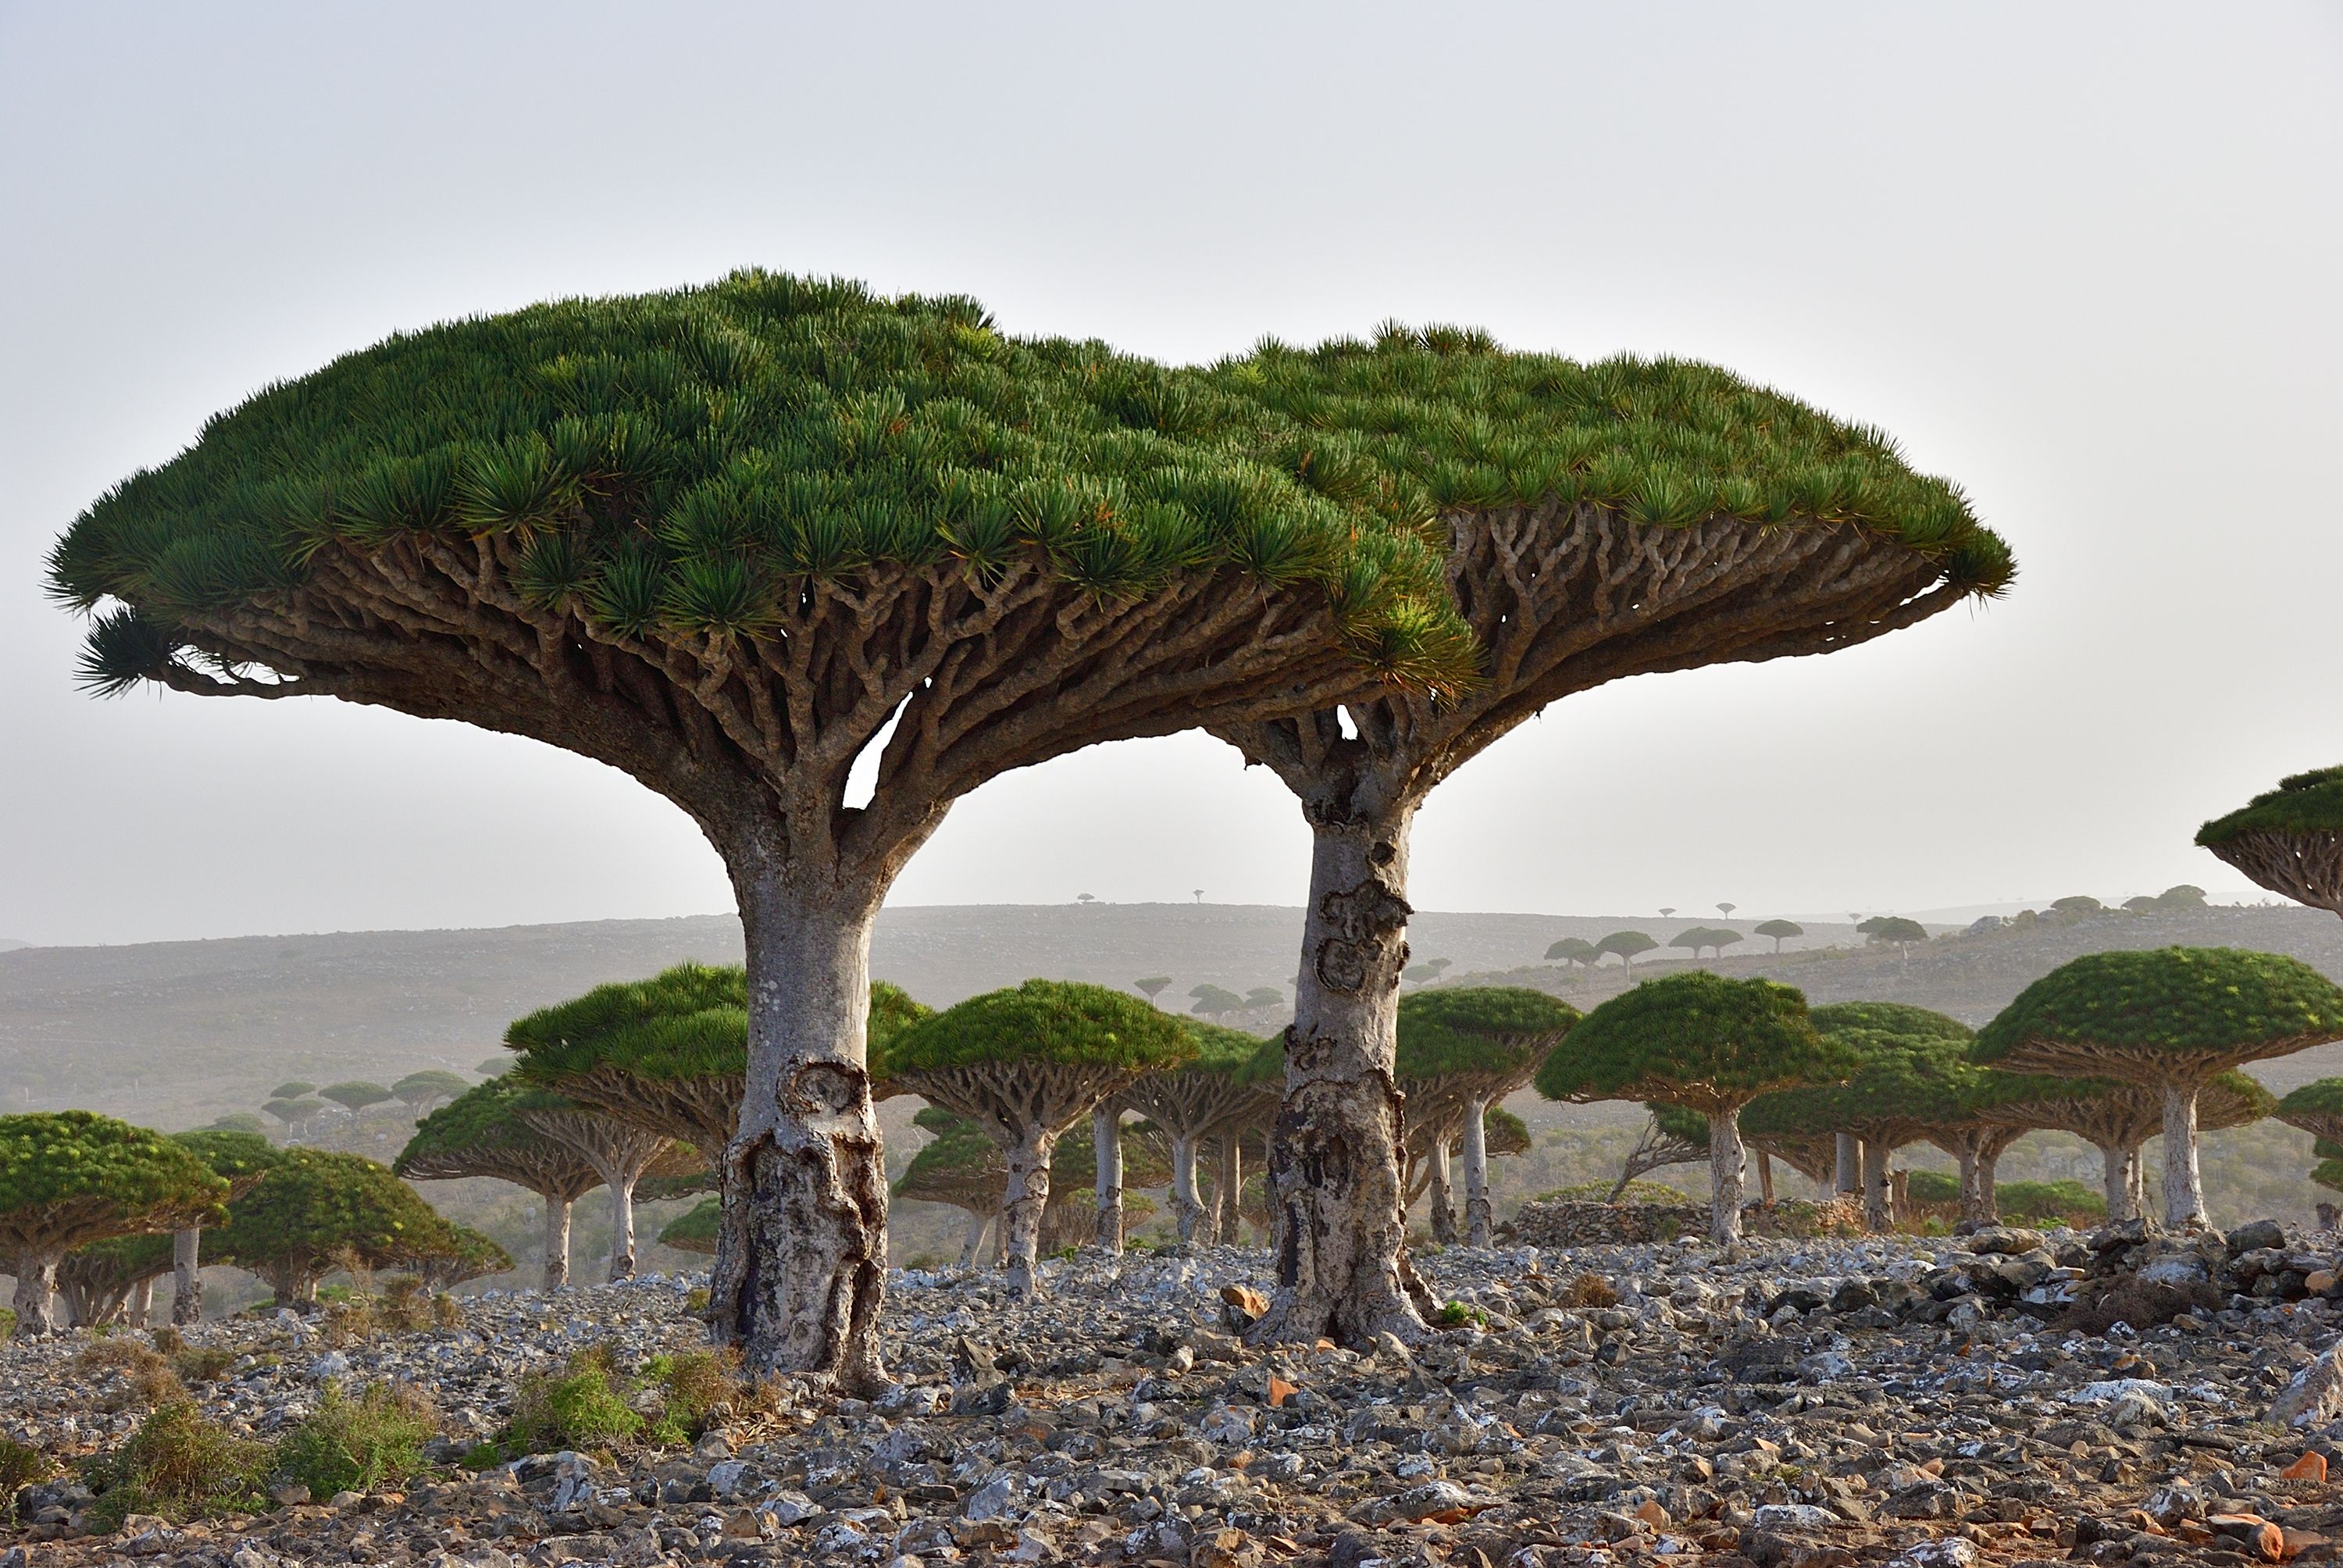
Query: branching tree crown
[(1696, 1039), (68, 1178), (2288, 839), (2317, 1107), (1055, 1021), (484, 1132), (1489, 1031), (313, 1205), (2169, 1013)]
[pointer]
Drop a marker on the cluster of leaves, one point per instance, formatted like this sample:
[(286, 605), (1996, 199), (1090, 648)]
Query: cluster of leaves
[(2170, 1001), (1478, 1030), (688, 1022), (1697, 938), (2305, 803), (70, 1177), (484, 1117), (670, 464), (315, 1205), (591, 1403), (1057, 1021)]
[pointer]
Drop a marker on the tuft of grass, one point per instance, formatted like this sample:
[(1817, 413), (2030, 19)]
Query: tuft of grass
[(696, 1298), (205, 1364), (359, 1444), (20, 1466), (404, 1304), (1457, 1314), (349, 1321), (147, 1379), (1589, 1290), (446, 1313), (697, 1385), (8, 1322), (584, 1406), (181, 1466)]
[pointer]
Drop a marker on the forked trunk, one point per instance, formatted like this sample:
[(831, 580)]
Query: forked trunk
[(1187, 1207), (1878, 1212), (1478, 1219), (801, 1256), (1334, 1154), (37, 1294), (972, 1247), (187, 1276), (2116, 1168), (1847, 1171), (556, 1242), (1106, 1138), (1443, 1200), (622, 1226), (1028, 1195), (2183, 1193), (141, 1302), (1230, 1188), (1728, 1168)]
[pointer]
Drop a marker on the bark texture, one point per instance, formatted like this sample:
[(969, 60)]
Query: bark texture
[(1187, 1205), (37, 1294), (1227, 1190), (1106, 1140), (971, 1246), (142, 1303), (1479, 1219), (1728, 1169), (1020, 1209), (188, 1276), (2183, 1193), (556, 1243), (1444, 1197), (1878, 1212), (2119, 1179)]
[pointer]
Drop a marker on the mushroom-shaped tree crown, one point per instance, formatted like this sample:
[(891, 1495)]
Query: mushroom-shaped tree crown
[(688, 1022), (695, 1228), (68, 1178), (2317, 1107), (1223, 1049), (1696, 1039), (1067, 1023), (1894, 1017), (1490, 1030), (2165, 1014), (314, 1203), (484, 1132), (2288, 839), (231, 1153), (2308, 802)]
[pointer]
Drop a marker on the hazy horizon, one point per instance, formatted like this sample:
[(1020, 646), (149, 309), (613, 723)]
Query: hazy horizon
[(2077, 260)]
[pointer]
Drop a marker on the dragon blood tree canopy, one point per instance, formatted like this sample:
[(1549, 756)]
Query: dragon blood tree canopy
[(669, 1053), (2317, 1107), (2171, 1019), (2117, 1118), (728, 540), (1024, 1064), (1599, 521), (2288, 839), (487, 1131), (314, 1208), (1461, 1049)]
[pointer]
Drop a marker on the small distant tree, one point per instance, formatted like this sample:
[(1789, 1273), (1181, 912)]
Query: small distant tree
[(112, 1280), (355, 1095), (1461, 1051), (434, 1086), (238, 1121), (71, 1178), (1905, 1081), (2173, 1018), (482, 1133), (315, 1210), (1627, 945), (1666, 911), (1778, 930), (1726, 909), (494, 1067), (1574, 950), (296, 1114), (1721, 938), (1152, 986), (1427, 972), (456, 1254), (1025, 1063), (1693, 940), (1265, 996), (621, 1154), (2141, 905), (1705, 1044), (1896, 931), (2077, 904), (293, 1088), (238, 1158), (1191, 1100), (2181, 896), (1212, 1000), (1086, 898)]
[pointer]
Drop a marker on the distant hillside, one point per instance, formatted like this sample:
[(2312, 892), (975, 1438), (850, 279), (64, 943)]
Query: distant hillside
[(10, 944)]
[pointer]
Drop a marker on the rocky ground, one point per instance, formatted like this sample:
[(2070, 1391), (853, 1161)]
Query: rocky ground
[(1965, 1402)]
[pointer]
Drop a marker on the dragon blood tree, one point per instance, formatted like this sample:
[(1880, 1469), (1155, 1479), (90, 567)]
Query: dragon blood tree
[(961, 1167), (1025, 1064), (729, 539), (315, 1210), (2288, 839), (621, 1154), (484, 1132), (1193, 1100), (1245, 1135), (1675, 1136), (457, 1254), (240, 1158), (1461, 1050), (112, 1280), (2171, 1019), (1707, 1044), (71, 1177), (1503, 1133), (2117, 1118), (1600, 521)]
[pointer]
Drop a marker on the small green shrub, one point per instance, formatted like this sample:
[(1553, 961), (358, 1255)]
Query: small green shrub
[(8, 1322), (20, 1466), (2070, 1201), (576, 1410), (178, 1464), (205, 1363), (696, 1298), (359, 1444), (696, 1384), (1932, 1187), (1457, 1314)]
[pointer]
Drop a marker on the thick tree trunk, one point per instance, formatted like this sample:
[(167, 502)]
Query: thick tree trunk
[(187, 1276), (801, 1257), (2116, 1166), (1106, 1138), (2184, 1193), (556, 1242), (141, 1302), (1340, 1220), (1029, 1194), (1876, 1213), (37, 1294), (972, 1247), (1187, 1207), (1988, 1178), (1964, 1156), (1728, 1168), (1232, 1188), (622, 1225), (1479, 1221), (1444, 1199), (1848, 1171)]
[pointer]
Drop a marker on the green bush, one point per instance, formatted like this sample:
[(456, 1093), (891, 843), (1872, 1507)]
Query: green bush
[(1932, 1186), (20, 1466), (696, 1386), (178, 1464), (8, 1322), (358, 1444), (2068, 1201), (581, 1408)]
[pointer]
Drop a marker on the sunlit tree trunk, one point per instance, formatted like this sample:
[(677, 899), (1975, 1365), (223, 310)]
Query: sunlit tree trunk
[(37, 1294), (972, 1247), (1766, 1178), (1106, 1138), (556, 1242), (1478, 1219), (1877, 1212), (1232, 1188), (1187, 1207), (141, 1302), (1020, 1215), (2116, 1164), (2183, 1191), (187, 1276), (1443, 1199), (1727, 1170)]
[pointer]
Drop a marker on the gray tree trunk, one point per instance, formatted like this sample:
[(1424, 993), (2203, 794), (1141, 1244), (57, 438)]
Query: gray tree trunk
[(1964, 1156), (1029, 1194), (2139, 1184), (2183, 1193), (1479, 1221), (622, 1226), (1442, 1197), (972, 1247), (1848, 1171), (1106, 1138), (556, 1242), (2116, 1166), (1340, 1215), (1877, 1213), (1232, 1188), (141, 1302), (1988, 1178), (37, 1294), (801, 1257), (187, 1276), (1728, 1169), (1187, 1207), (1766, 1178)]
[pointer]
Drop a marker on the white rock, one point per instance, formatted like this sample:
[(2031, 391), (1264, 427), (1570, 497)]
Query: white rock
[(1795, 1516)]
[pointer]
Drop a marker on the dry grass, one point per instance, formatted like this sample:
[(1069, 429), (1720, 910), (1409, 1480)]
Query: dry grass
[(1588, 1290), (146, 1379)]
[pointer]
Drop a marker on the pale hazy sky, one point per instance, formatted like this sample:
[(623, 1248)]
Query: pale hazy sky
[(2081, 260)]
